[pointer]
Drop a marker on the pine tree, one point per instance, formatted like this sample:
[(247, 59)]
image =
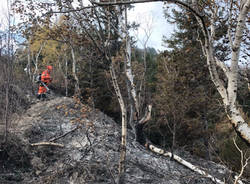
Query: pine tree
[(185, 96)]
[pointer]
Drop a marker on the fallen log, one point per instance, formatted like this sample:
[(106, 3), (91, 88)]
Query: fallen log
[(184, 162)]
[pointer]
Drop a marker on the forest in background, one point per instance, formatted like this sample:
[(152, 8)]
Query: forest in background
[(187, 110)]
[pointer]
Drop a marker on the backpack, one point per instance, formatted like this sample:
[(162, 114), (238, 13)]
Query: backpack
[(38, 78)]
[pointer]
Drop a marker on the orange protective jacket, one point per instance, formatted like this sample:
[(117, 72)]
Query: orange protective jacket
[(46, 78)]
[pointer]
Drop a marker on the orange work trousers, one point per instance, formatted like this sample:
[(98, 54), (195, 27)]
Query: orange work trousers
[(42, 89)]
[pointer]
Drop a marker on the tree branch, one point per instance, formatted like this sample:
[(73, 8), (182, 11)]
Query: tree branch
[(147, 115), (56, 138), (222, 66), (243, 163), (47, 144), (230, 24)]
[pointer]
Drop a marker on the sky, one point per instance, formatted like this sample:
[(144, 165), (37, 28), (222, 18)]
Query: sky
[(3, 13), (149, 15), (146, 12)]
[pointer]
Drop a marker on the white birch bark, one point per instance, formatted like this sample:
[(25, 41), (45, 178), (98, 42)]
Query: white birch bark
[(77, 88), (124, 125), (6, 110), (129, 73), (122, 161), (36, 60), (147, 115), (128, 65), (187, 164), (28, 71), (228, 93), (215, 77)]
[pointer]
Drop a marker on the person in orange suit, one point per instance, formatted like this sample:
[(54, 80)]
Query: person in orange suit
[(46, 79)]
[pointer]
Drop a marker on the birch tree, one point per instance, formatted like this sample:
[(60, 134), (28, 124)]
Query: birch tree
[(35, 59), (213, 62), (208, 22), (101, 43), (227, 91), (143, 34), (35, 43), (124, 125)]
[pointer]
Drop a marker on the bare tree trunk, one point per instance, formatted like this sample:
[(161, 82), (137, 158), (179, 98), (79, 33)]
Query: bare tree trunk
[(227, 92), (244, 162), (1, 45), (147, 27), (142, 88), (66, 77), (8, 73), (64, 73), (206, 136), (131, 108), (91, 81), (36, 60), (28, 69), (128, 71), (128, 65), (77, 88), (124, 126), (174, 138), (185, 163), (6, 112), (143, 82)]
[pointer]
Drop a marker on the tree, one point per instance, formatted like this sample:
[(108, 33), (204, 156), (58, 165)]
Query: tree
[(146, 26), (244, 161), (93, 27), (208, 17), (7, 58), (227, 91), (185, 98), (185, 101)]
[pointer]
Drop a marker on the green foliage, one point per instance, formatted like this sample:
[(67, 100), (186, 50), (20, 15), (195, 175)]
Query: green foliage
[(231, 155), (185, 102), (244, 93), (150, 73), (185, 99)]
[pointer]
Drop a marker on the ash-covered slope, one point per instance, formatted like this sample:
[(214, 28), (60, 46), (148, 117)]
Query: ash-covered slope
[(87, 150)]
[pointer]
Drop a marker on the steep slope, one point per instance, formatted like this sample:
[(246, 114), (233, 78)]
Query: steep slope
[(83, 147)]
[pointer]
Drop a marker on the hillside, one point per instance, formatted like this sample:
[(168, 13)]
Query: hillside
[(85, 150)]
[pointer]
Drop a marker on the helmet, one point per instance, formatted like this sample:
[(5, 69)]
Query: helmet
[(49, 67)]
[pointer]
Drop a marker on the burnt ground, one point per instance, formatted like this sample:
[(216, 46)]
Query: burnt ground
[(88, 151)]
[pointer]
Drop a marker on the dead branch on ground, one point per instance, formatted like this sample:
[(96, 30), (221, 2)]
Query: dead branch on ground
[(59, 137), (47, 144)]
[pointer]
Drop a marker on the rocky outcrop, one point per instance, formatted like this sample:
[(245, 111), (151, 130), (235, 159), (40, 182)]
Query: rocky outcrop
[(88, 151)]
